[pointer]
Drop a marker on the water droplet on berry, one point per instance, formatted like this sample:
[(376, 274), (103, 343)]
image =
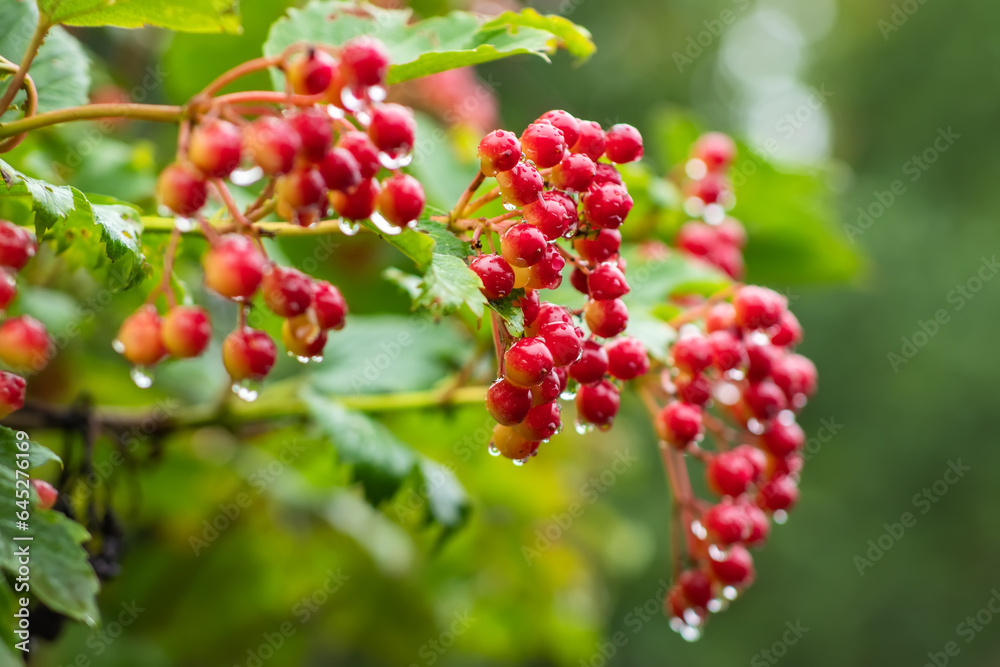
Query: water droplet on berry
[(799, 401), (364, 117), (334, 112), (118, 346), (349, 227), (184, 224), (142, 378), (786, 417), (730, 593), (316, 359), (583, 428), (755, 426), (384, 225), (520, 462), (493, 450), (698, 530), (726, 393), (715, 605), (301, 360), (716, 553), (568, 394), (509, 207), (351, 101), (780, 517), (690, 634), (735, 374), (245, 177), (714, 214), (163, 211), (246, 390), (692, 618), (696, 169), (377, 93), (393, 163)]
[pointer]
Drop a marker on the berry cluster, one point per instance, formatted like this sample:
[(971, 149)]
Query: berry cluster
[(556, 188), (716, 239), (25, 346), (738, 380)]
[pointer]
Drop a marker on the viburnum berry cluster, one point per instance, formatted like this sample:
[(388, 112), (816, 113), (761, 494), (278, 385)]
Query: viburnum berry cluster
[(24, 341), (330, 143), (559, 184), (717, 238)]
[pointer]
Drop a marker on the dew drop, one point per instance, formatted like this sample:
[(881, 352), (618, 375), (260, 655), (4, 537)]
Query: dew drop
[(568, 395), (714, 214), (351, 101), (692, 618), (730, 593), (334, 112), (245, 177), (727, 393), (780, 517), (163, 211), (246, 390), (118, 346), (755, 426), (690, 634), (698, 529), (735, 375), (696, 169), (716, 553), (301, 360), (694, 206), (715, 605), (392, 163), (317, 359), (583, 428), (349, 227), (142, 377), (509, 206), (799, 401), (377, 93), (519, 462), (759, 338), (786, 417), (493, 450), (184, 224), (384, 225)]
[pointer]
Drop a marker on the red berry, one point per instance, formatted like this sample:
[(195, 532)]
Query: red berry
[(248, 354), (365, 61), (781, 493), (543, 422), (550, 215), (606, 206), (607, 173), (736, 569), (329, 305), (788, 331), (624, 144), (697, 588), (25, 344), (303, 339), (550, 388), (523, 245), (234, 267), (592, 365), (508, 403), (140, 338), (731, 232), (567, 124), (393, 129), (47, 494), (512, 444), (761, 358), (760, 525), (598, 403), (340, 170), (499, 151), (578, 279), (8, 288), (527, 362), (520, 185), (679, 423), (764, 399), (11, 393), (591, 141), (755, 457), (606, 319), (726, 523), (694, 389), (315, 131), (575, 173), (182, 189), (782, 439), (312, 74), (359, 204), (402, 200), (564, 342), (697, 238), (729, 473), (547, 312), (692, 353), (607, 282), (599, 246), (543, 144), (496, 274), (547, 274), (17, 245), (272, 144), (530, 306), (300, 193), (364, 151), (715, 149), (721, 317), (216, 147), (711, 189), (758, 307), (186, 331), (286, 291), (726, 350), (627, 358)]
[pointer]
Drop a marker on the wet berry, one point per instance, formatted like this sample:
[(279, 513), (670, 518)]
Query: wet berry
[(527, 361), (496, 274), (216, 148), (186, 331), (402, 200), (393, 129), (248, 354), (140, 338), (543, 144), (272, 143), (624, 144), (520, 185), (12, 389), (17, 245), (679, 423), (606, 319), (234, 267), (286, 291), (627, 358), (508, 403), (499, 151), (182, 189), (598, 403)]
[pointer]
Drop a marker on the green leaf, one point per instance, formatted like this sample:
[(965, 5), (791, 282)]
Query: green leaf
[(415, 245), (509, 311), (382, 463), (180, 15), (61, 575), (433, 45), (450, 284), (37, 454), (103, 238), (61, 70)]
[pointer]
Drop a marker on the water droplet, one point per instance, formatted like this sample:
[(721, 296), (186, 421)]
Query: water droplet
[(118, 346), (301, 360), (246, 390), (730, 593), (351, 101), (349, 227), (583, 428), (727, 393), (493, 450), (692, 618), (245, 177), (606, 426), (377, 93), (693, 207), (714, 214), (568, 395), (163, 211), (716, 553), (184, 224), (317, 359), (334, 112), (799, 401), (698, 530), (393, 163), (509, 207), (780, 517), (363, 117), (715, 605), (759, 337), (786, 417), (519, 462), (696, 169), (385, 226), (142, 377), (755, 426), (690, 634), (735, 374)]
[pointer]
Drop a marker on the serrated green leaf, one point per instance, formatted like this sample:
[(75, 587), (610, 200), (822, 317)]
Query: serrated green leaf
[(434, 45), (180, 15), (61, 575), (450, 284), (509, 311), (61, 70), (37, 454), (415, 245)]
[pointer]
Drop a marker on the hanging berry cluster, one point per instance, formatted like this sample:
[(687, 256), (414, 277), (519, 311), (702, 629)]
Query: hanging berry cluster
[(321, 147), (556, 188), (717, 239)]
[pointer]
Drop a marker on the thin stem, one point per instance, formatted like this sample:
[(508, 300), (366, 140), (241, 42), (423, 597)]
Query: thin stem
[(155, 225), (227, 199), (498, 341), (160, 113), (235, 73), (267, 97), (482, 201), (466, 196), (37, 37), (168, 268), (572, 259), (696, 312)]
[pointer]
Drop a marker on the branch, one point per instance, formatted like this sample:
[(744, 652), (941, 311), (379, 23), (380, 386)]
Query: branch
[(160, 113), (154, 224), (37, 37)]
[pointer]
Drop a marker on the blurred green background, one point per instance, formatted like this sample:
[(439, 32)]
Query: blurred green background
[(895, 104)]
